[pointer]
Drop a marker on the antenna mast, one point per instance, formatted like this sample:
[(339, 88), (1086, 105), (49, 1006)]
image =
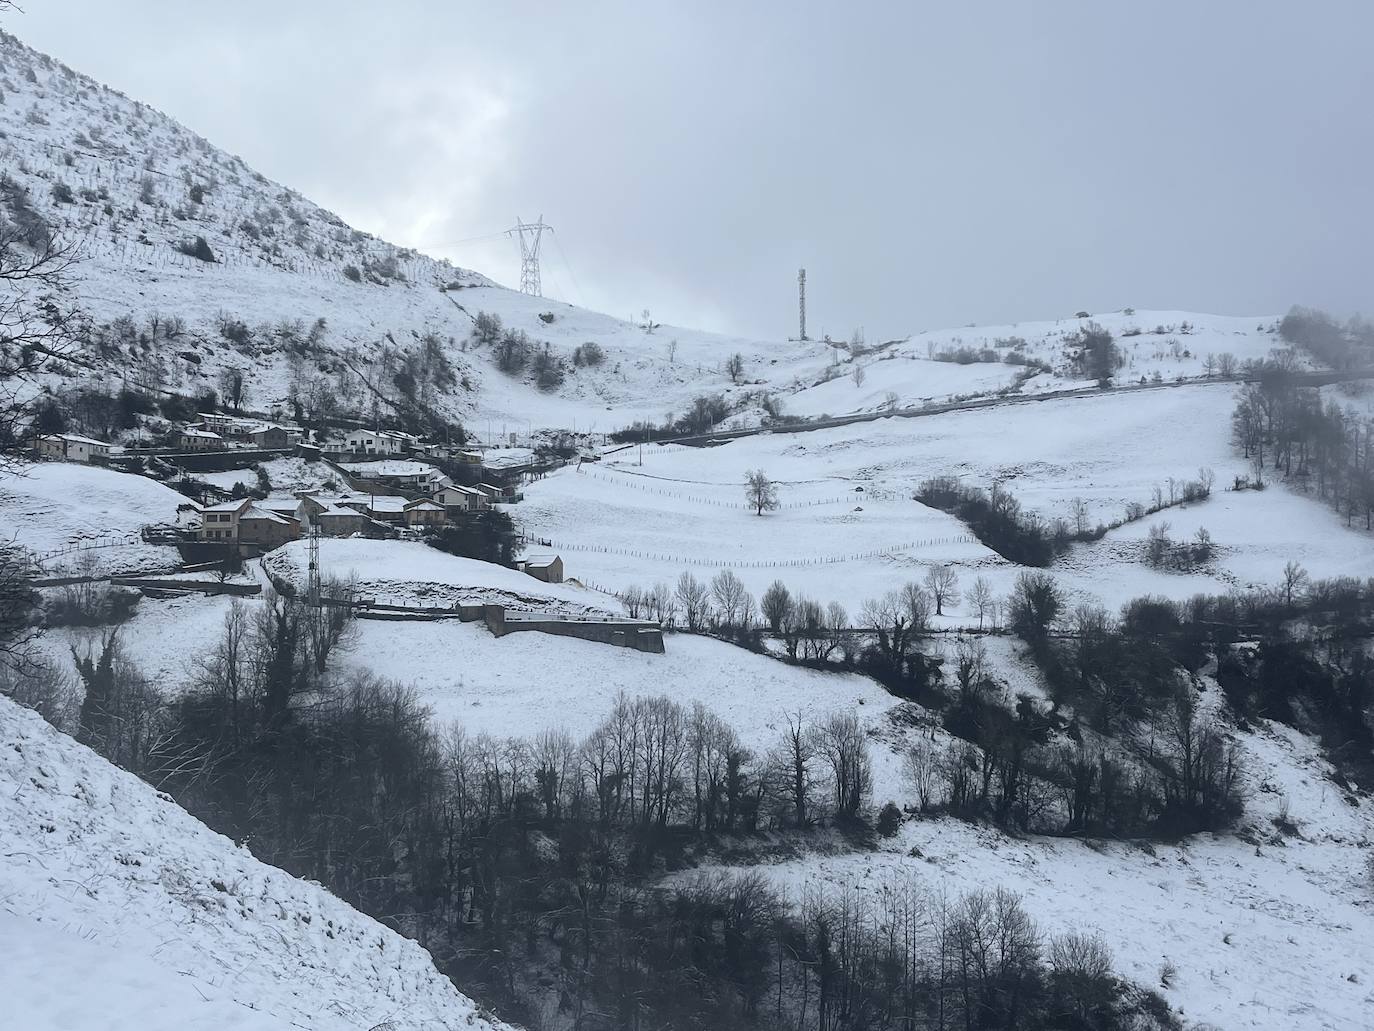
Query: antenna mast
[(529, 235), (801, 300)]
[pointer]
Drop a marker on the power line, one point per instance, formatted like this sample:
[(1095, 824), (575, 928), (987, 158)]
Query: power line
[(455, 243), (568, 265)]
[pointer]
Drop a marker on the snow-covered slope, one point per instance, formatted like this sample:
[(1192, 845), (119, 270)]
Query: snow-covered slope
[(1263, 929), (57, 510), (134, 187), (166, 925)]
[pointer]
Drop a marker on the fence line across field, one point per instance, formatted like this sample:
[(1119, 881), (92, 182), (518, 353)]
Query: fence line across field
[(853, 497), (794, 563)]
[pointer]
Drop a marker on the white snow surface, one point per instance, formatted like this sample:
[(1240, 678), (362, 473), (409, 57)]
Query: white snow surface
[(624, 523), (169, 926), (409, 573), (60, 508), (1278, 934)]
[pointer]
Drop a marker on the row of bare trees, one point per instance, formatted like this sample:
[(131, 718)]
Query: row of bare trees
[(1315, 444)]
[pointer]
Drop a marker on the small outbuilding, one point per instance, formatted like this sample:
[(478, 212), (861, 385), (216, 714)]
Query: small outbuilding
[(543, 566)]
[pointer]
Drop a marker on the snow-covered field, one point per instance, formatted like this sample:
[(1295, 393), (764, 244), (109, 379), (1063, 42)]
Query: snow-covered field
[(623, 523), (162, 925), (56, 509), (524, 683), (404, 572)]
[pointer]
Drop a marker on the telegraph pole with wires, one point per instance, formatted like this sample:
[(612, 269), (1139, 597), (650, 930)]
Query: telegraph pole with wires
[(314, 602), (530, 234)]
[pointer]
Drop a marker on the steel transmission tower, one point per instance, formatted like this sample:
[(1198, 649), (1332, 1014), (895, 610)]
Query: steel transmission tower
[(529, 235), (801, 300)]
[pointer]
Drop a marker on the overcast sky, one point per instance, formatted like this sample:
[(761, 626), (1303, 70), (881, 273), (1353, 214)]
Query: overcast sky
[(930, 164)]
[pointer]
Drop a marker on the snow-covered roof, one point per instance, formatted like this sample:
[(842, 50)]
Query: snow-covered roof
[(263, 515), (227, 506), (540, 559), (73, 438), (204, 434), (279, 504), (385, 503), (373, 470)]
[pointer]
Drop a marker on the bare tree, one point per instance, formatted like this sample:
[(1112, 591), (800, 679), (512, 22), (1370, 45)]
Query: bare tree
[(922, 768), (775, 605), (897, 618), (983, 600), (18, 608), (942, 582), (859, 374), (845, 750), (35, 332), (231, 388), (735, 367), (1295, 579), (794, 763), (694, 599), (1079, 507), (761, 493), (728, 591)]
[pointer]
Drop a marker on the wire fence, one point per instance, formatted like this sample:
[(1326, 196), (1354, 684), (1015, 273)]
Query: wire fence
[(785, 563), (853, 497)]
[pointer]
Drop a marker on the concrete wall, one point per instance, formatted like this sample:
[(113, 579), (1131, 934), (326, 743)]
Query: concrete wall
[(641, 636), (203, 586)]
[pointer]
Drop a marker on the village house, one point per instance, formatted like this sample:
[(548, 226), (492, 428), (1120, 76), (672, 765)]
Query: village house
[(500, 495), (333, 519), (266, 530), (221, 522), (227, 425), (290, 508), (216, 422), (245, 522), (413, 476), (468, 457), (424, 513), (70, 447), (375, 442), (397, 511), (270, 436), (457, 498), (543, 566), (199, 440)]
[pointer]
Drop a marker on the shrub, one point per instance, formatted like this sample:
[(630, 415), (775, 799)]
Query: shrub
[(62, 193), (889, 820), (198, 249), (352, 273), (589, 354)]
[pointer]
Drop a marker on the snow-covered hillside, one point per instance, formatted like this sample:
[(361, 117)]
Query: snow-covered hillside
[(165, 925), (136, 190), (77, 516), (848, 528)]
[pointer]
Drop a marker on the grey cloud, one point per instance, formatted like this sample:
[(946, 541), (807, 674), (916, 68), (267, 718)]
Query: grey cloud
[(930, 164)]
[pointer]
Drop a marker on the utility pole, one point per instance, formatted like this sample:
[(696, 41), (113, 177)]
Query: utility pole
[(801, 300), (313, 599), (529, 234)]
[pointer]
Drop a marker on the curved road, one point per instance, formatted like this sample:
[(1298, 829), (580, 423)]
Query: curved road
[(1313, 379)]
